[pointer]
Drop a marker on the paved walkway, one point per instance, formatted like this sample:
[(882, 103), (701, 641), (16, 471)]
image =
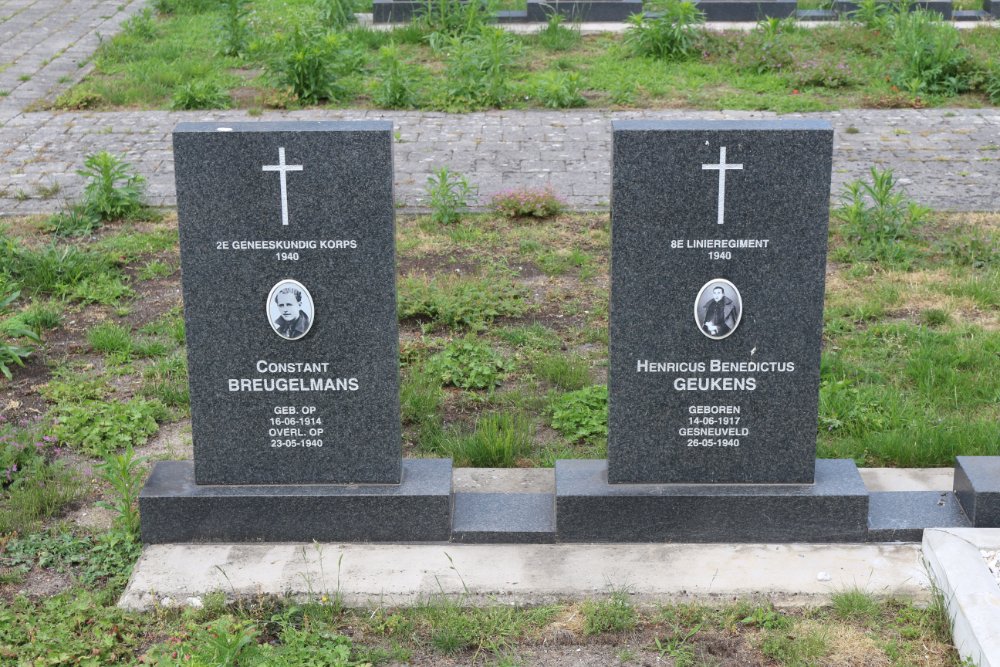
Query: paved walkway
[(947, 159)]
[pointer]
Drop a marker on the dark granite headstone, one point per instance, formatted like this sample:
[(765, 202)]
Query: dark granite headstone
[(718, 259), (316, 398), (288, 264)]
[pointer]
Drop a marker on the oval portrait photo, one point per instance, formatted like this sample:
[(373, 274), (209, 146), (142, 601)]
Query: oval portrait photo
[(718, 308), (290, 309)]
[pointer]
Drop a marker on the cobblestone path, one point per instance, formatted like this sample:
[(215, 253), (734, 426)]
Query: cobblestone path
[(946, 158)]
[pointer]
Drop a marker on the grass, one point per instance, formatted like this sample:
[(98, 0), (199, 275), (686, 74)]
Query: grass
[(829, 67)]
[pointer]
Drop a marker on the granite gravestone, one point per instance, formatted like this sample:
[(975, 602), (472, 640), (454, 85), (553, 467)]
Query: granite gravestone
[(288, 263), (718, 257)]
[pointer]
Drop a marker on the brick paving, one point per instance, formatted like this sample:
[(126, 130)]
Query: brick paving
[(946, 158)]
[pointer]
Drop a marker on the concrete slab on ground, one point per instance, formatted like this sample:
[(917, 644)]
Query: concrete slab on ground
[(970, 590), (365, 574)]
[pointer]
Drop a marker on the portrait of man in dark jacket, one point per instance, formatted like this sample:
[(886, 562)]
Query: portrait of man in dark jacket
[(720, 315), (292, 321)]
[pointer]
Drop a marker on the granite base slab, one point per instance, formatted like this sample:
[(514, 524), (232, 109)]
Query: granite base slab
[(175, 509), (583, 10), (977, 483), (833, 509), (746, 10), (943, 7), (902, 516), (504, 518)]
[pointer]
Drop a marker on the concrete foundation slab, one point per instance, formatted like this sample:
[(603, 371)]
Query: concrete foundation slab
[(970, 591), (788, 574), (589, 509), (175, 509)]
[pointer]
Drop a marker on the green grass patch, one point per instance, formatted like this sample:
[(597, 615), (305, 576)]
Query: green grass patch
[(264, 54), (460, 302), (501, 440), (98, 428)]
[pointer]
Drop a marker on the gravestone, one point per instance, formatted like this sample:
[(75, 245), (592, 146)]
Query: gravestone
[(288, 265), (717, 277)]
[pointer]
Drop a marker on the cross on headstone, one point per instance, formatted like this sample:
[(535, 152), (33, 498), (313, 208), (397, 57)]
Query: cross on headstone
[(722, 167), (282, 169)]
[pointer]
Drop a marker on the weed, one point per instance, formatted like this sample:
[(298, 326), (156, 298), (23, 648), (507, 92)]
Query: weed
[(471, 303), (583, 414), (766, 49), (453, 17), (141, 26), (568, 373), (555, 36), (393, 88), (200, 94), (104, 288), (311, 64), (559, 90), (800, 645), (929, 54), (499, 440), (110, 338), (614, 614), (233, 31), (766, 617), (879, 220), (675, 645), (469, 364), (991, 86), (113, 191), (13, 354), (532, 336), (826, 72), (40, 316), (77, 221), (97, 428), (336, 14), (448, 194), (453, 628), (671, 36), (872, 14), (123, 473), (856, 605), (70, 386), (421, 397), (61, 270), (974, 249), (166, 381), (935, 317), (559, 262), (478, 68), (528, 203), (156, 269), (48, 191)]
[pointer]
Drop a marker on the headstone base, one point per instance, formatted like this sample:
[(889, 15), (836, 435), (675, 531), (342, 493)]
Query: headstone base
[(902, 516), (977, 483), (175, 509), (833, 509), (504, 518)]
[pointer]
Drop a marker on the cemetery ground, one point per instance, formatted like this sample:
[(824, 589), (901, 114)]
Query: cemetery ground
[(191, 54), (503, 326)]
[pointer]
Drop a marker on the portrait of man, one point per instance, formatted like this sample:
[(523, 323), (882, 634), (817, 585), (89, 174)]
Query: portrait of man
[(718, 309), (290, 309)]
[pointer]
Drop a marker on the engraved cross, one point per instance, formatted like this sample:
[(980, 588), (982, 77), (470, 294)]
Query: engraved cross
[(722, 167), (282, 169)]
